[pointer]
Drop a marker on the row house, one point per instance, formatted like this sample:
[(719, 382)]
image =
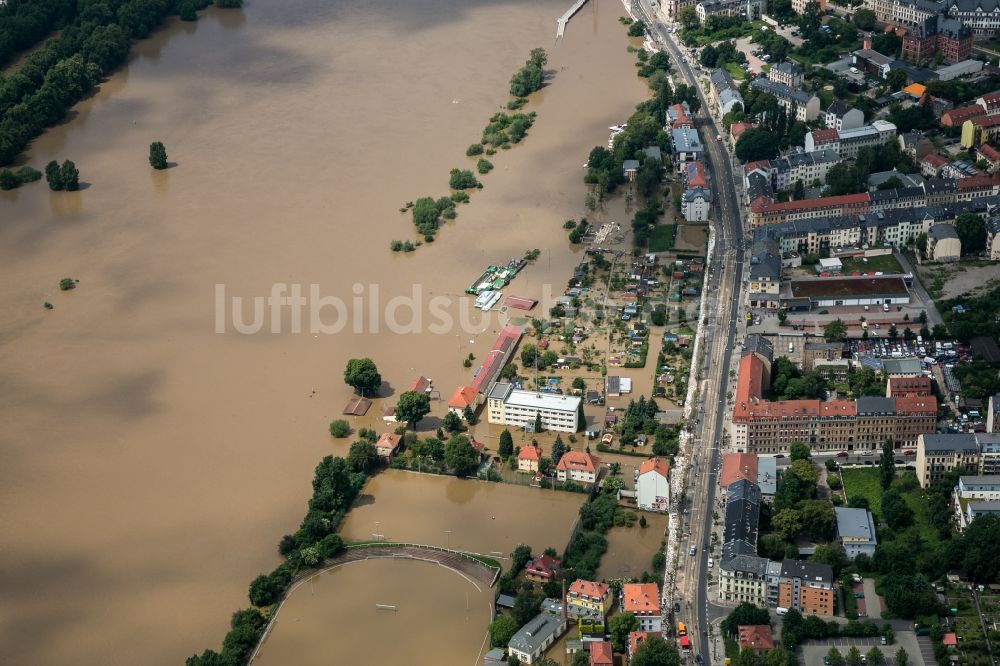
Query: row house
[(982, 17), (840, 116), (786, 73), (725, 93), (979, 130), (903, 12), (848, 142), (769, 212)]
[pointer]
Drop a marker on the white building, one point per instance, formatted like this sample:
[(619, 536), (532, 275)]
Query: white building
[(856, 531), (653, 485), (578, 466), (515, 407), (696, 202), (800, 105), (971, 510), (531, 640), (840, 116)]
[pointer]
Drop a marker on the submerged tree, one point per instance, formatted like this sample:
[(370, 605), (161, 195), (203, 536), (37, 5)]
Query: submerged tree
[(157, 155)]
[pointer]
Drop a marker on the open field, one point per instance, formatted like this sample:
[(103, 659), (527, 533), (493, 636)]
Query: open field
[(864, 482), (885, 263), (662, 238)]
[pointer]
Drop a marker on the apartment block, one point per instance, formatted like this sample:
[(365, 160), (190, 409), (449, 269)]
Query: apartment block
[(806, 587), (938, 454), (506, 405)]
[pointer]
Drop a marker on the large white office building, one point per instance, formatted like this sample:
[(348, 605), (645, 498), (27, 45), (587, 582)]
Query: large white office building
[(506, 405)]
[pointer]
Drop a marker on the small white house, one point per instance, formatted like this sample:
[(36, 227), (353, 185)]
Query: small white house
[(653, 485)]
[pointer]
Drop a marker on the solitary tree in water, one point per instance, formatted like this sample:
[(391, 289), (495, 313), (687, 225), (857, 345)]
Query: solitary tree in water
[(157, 155), (54, 176), (363, 375), (70, 176)]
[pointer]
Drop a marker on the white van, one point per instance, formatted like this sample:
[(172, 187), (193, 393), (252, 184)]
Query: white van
[(780, 611), (885, 307), (710, 562), (791, 347)]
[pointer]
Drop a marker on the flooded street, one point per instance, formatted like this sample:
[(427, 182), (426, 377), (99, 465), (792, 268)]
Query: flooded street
[(332, 618), (152, 464)]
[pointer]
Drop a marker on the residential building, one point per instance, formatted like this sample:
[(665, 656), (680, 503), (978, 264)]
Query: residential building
[(767, 477), (686, 147), (742, 516), (509, 406), (643, 601), (630, 169), (840, 116), (799, 104), (943, 243), (578, 466), (743, 578), (531, 640), (388, 445), (993, 414), (903, 12), (938, 454), (972, 510), (983, 129), (856, 531), (847, 142), (915, 144), (588, 600), (872, 62), (937, 35), (821, 351), (679, 116), (957, 116), (990, 155), (653, 485), (736, 131), (768, 212), (725, 93), (755, 636), (737, 467), (806, 587), (528, 457), (463, 397), (993, 238), (636, 638), (808, 167), (601, 653), (959, 169), (904, 386), (980, 16), (765, 274), (931, 165), (789, 74), (799, 6), (696, 203), (543, 568), (752, 9), (980, 487), (761, 426)]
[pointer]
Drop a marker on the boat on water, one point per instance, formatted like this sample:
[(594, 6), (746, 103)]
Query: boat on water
[(495, 278)]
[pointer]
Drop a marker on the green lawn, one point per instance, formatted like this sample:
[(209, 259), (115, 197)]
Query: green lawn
[(735, 71), (918, 504), (864, 482), (885, 263), (662, 238)]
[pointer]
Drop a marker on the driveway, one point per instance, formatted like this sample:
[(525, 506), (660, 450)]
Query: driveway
[(872, 600)]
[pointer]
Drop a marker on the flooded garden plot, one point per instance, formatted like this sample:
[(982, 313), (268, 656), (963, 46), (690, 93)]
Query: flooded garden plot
[(631, 549), (463, 514)]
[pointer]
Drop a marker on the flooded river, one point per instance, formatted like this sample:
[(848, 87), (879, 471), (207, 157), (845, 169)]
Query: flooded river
[(150, 463)]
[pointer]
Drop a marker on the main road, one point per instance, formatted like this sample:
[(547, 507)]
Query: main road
[(723, 285)]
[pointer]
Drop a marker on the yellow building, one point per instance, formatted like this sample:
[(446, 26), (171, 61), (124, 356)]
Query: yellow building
[(586, 599)]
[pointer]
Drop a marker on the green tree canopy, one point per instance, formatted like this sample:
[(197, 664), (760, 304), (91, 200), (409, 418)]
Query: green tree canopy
[(459, 455), (157, 155), (363, 375), (971, 232), (502, 630), (362, 456), (744, 614), (757, 143), (655, 651), (506, 446), (620, 626), (835, 331), (412, 407)]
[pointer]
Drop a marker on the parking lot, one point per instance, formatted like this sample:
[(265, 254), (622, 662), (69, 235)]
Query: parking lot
[(814, 651)]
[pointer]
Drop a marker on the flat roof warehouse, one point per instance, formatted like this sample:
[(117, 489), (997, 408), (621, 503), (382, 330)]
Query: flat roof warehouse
[(850, 286)]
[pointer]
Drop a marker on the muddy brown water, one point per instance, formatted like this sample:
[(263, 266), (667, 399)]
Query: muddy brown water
[(439, 617), (150, 464)]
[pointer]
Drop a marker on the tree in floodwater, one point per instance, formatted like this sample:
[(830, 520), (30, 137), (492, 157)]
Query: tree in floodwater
[(70, 176), (157, 155), (53, 176)]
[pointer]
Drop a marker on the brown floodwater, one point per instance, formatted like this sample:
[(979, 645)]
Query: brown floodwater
[(440, 617), (150, 463)]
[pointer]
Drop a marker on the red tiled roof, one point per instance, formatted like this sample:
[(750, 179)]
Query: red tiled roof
[(641, 598), (357, 407), (736, 466), (989, 153), (985, 121), (960, 114), (949, 639), (659, 465), (590, 589), (578, 461), (916, 404), (824, 202), (982, 181), (420, 384), (738, 128), (934, 160), (529, 453), (992, 100), (544, 565), (756, 637), (899, 386), (839, 408), (519, 302), (601, 654), (825, 136), (749, 384), (463, 397), (389, 441), (757, 164)]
